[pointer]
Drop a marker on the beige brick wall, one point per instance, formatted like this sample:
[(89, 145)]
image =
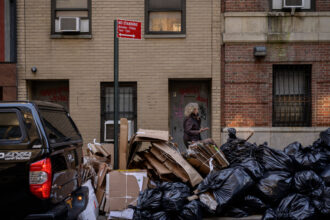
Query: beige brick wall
[(149, 62)]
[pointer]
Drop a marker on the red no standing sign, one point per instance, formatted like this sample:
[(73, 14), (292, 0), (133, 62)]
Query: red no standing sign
[(128, 29)]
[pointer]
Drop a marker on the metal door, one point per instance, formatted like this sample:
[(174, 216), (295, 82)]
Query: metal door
[(182, 93)]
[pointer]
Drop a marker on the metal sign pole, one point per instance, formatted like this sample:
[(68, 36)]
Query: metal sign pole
[(116, 98)]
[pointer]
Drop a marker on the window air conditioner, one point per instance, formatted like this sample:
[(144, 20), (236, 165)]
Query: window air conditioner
[(69, 24), (109, 130), (293, 3)]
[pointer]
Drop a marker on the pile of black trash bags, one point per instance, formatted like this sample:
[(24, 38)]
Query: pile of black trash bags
[(289, 184)]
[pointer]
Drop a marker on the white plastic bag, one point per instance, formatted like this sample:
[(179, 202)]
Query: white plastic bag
[(92, 209)]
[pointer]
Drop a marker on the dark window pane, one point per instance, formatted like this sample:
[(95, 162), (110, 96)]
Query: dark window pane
[(165, 21), (59, 127), (291, 101), (293, 2), (125, 100), (71, 3), (9, 126), (164, 4), (127, 108)]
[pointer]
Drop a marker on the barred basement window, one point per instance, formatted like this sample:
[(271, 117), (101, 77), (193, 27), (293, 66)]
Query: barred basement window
[(165, 17), (292, 95), (127, 105)]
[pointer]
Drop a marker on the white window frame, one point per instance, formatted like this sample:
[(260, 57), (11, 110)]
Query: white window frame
[(278, 4)]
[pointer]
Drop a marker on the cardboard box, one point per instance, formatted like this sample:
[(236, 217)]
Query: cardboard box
[(123, 143), (123, 188)]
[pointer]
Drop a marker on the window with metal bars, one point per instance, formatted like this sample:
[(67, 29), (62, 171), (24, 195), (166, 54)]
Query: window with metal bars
[(292, 95), (127, 104)]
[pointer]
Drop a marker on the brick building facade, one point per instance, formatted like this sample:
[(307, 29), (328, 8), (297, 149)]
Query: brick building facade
[(284, 95), (77, 69), (8, 82)]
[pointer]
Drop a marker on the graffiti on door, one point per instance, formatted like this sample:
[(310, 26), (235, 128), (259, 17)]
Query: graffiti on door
[(196, 94), (182, 93)]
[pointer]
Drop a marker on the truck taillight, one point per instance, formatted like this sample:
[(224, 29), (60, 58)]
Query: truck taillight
[(41, 178)]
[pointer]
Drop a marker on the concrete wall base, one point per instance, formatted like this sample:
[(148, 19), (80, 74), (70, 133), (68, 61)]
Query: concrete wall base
[(277, 137)]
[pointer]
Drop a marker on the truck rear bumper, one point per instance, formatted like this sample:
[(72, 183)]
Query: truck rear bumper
[(65, 210)]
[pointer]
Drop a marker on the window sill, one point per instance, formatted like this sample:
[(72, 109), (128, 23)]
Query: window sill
[(78, 36), (163, 36)]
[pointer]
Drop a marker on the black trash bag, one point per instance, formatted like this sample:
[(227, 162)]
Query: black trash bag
[(226, 184), (149, 199), (232, 133), (191, 211), (236, 149), (295, 207), (159, 216), (234, 212), (312, 158), (142, 214), (309, 183), (274, 160), (269, 215), (252, 167), (326, 175), (322, 204), (252, 205), (325, 137), (274, 186), (292, 148), (174, 196)]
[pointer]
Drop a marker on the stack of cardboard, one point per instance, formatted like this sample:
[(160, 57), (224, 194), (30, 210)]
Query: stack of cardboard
[(206, 156), (152, 156), (152, 150), (100, 152)]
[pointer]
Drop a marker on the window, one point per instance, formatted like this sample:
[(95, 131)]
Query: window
[(71, 16), (127, 106), (10, 126), (165, 17), (56, 91), (279, 5), (59, 127), (292, 95)]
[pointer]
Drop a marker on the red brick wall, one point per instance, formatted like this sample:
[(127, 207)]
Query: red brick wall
[(8, 81), (247, 82), (246, 5), (263, 5), (322, 5)]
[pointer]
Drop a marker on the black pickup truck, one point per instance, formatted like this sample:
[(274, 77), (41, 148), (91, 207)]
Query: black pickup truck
[(40, 162)]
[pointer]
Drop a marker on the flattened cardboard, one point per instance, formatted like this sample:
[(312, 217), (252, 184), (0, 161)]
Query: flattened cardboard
[(124, 188), (123, 143), (110, 149), (100, 194), (172, 166), (194, 177), (201, 167), (152, 135), (103, 169), (160, 168)]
